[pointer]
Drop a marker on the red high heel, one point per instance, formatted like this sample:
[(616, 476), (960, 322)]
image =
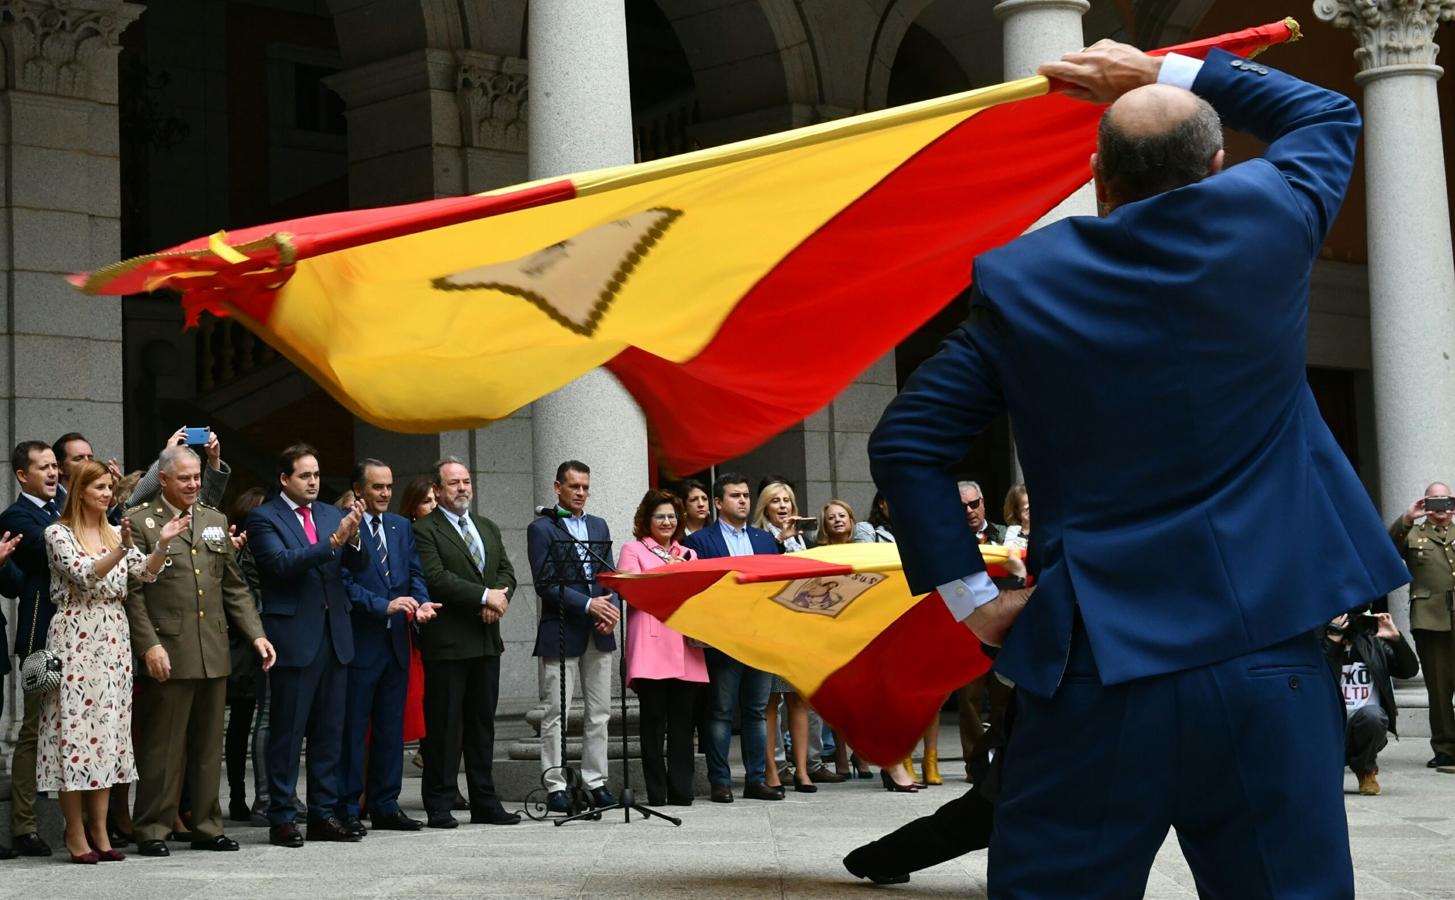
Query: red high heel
[(87, 859)]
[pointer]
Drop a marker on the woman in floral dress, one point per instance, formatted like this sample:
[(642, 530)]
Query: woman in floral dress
[(84, 744)]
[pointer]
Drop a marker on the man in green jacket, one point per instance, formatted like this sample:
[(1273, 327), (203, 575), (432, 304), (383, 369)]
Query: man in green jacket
[(471, 578), (1429, 550)]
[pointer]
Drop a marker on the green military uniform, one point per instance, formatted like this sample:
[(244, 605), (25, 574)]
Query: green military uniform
[(1430, 553), (178, 723)]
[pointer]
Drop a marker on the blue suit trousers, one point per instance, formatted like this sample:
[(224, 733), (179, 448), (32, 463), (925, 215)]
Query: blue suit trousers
[(372, 762), (1244, 758), (307, 701)]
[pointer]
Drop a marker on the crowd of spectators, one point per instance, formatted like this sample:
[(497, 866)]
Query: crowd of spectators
[(164, 644)]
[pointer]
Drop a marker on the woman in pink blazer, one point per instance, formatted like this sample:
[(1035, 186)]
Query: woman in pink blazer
[(662, 666)]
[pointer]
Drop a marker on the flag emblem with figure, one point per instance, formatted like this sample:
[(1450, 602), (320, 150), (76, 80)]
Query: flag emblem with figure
[(838, 622), (849, 235)]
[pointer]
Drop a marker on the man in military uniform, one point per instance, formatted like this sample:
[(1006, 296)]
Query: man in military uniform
[(179, 628), (1429, 551)]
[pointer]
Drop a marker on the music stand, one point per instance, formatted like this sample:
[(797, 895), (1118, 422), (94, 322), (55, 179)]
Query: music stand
[(566, 557)]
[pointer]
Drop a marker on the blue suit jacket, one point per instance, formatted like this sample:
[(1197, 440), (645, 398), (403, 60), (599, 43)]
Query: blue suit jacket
[(26, 576), (564, 607), (378, 635), (302, 583), (1174, 328), (708, 543)]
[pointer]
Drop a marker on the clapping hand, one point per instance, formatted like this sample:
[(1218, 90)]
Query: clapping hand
[(239, 539), (7, 545), (128, 540), (349, 527), (170, 530)]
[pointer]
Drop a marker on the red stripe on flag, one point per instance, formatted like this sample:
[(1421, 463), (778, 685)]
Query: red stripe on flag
[(662, 591), (865, 280), (882, 700)]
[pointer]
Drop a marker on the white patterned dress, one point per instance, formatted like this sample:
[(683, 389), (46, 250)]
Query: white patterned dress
[(84, 740)]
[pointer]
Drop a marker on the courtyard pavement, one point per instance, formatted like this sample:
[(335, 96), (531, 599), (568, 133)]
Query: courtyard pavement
[(1403, 842)]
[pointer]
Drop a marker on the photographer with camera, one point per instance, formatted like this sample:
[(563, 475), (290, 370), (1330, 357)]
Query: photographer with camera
[(1366, 651), (1428, 548)]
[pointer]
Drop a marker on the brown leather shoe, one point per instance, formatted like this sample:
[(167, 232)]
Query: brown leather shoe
[(722, 793), (1368, 784), (286, 835), (331, 829), (760, 791), (822, 774)]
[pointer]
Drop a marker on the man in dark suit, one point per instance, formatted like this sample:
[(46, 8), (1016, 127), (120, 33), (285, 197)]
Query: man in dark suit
[(735, 687), (27, 577), (1179, 588), (578, 618), (301, 548), (387, 594), (470, 576)]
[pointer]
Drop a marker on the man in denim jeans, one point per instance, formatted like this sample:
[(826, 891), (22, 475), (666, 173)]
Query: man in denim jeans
[(733, 684)]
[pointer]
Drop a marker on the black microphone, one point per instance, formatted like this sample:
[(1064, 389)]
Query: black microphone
[(552, 512)]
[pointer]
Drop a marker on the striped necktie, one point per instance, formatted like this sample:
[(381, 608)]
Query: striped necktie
[(380, 544), (477, 555)]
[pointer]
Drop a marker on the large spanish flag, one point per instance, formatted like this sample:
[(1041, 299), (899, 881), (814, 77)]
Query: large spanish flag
[(841, 237), (839, 623)]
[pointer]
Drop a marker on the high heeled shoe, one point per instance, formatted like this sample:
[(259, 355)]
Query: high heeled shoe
[(932, 767), (112, 855), (895, 787)]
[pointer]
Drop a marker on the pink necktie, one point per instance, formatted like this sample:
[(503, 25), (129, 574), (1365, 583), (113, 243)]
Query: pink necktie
[(308, 529)]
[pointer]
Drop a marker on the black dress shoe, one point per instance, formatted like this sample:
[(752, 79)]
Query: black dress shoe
[(221, 843), (6, 853), (496, 816), (355, 825), (331, 829), (461, 804), (1438, 760), (30, 844), (239, 811), (601, 797), (760, 791), (679, 801), (721, 793), (442, 820), (153, 848), (395, 821), (558, 802), (285, 835)]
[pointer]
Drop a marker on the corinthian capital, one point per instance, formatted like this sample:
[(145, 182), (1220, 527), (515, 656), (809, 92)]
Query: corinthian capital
[(1390, 32), (64, 47)]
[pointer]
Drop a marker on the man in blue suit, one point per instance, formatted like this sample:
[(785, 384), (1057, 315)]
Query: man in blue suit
[(26, 576), (301, 548), (1167, 666), (735, 686), (578, 618), (386, 594)]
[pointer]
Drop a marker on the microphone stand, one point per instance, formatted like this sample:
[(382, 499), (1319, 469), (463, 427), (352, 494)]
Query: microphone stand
[(626, 801)]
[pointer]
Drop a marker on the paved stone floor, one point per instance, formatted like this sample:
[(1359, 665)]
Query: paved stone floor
[(1404, 846)]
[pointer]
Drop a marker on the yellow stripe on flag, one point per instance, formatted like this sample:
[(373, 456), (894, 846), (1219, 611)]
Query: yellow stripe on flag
[(723, 218)]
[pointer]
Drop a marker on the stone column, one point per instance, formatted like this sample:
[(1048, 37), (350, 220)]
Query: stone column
[(60, 355), (580, 118), (1034, 32), (1411, 273)]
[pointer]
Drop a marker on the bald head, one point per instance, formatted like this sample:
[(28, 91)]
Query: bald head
[(1155, 138)]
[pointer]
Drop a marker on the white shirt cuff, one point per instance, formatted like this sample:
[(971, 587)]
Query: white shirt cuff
[(968, 594), (1179, 71)]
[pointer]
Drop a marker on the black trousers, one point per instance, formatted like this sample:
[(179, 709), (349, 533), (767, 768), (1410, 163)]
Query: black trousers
[(459, 719), (1366, 732), (235, 746), (667, 712)]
